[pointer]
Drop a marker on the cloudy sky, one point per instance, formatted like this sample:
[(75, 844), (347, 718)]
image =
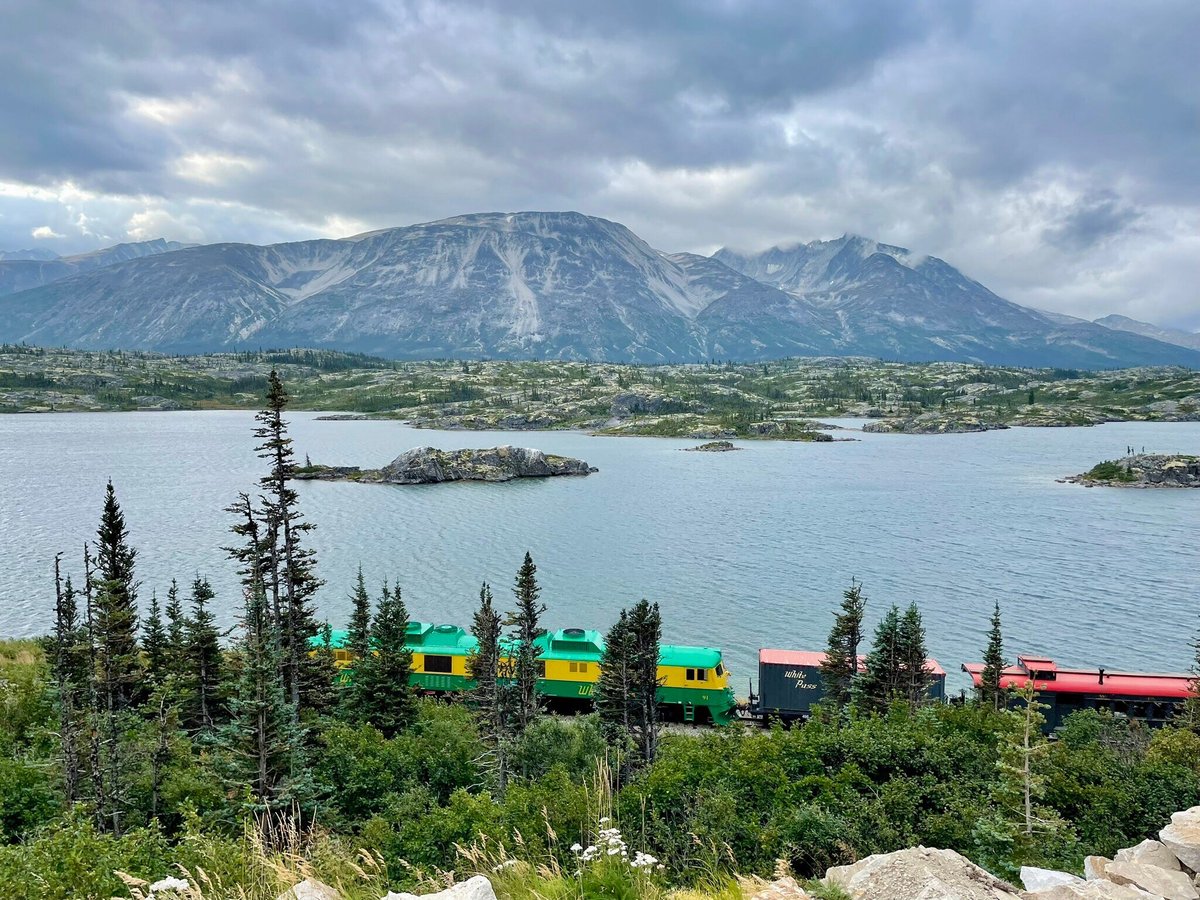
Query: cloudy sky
[(1050, 150)]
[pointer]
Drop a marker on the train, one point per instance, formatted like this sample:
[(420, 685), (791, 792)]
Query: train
[(1150, 697), (695, 683)]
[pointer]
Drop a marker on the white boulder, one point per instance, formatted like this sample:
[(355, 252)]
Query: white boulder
[(310, 889), (1036, 879), (1095, 866), (474, 888), (918, 873)]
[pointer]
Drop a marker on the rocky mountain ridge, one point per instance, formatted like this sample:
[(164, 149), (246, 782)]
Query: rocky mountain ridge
[(557, 285)]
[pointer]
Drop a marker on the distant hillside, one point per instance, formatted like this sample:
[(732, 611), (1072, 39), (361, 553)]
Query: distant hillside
[(1145, 329), (558, 285)]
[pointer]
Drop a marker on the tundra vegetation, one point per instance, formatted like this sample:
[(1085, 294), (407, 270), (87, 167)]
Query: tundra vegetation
[(778, 400), (137, 744)]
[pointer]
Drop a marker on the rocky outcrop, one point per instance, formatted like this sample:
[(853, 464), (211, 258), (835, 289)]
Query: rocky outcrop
[(934, 423), (1143, 470), (712, 447), (428, 465), (918, 872), (1182, 837)]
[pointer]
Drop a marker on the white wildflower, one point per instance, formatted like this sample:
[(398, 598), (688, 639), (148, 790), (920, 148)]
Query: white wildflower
[(576, 847), (169, 884)]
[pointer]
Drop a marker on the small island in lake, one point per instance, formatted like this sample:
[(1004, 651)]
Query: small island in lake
[(1144, 470), (712, 447), (428, 465)]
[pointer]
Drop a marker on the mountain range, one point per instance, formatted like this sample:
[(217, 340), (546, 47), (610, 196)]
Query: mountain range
[(550, 284)]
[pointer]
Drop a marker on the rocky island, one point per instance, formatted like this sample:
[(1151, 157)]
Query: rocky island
[(934, 423), (428, 465), (712, 447), (1144, 470)]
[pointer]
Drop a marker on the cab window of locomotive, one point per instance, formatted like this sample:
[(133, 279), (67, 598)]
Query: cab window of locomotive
[(702, 674), (691, 674), (720, 670)]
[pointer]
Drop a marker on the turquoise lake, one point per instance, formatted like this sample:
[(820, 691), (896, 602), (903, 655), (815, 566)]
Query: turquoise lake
[(742, 550)]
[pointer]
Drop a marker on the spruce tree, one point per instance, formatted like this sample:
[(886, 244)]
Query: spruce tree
[(291, 568), (358, 635), (1189, 715), (495, 692), (645, 626), (204, 663), (119, 668), (881, 680), (840, 666), (614, 691), (263, 746), (70, 676), (525, 621), (914, 658), (990, 692), (176, 657), (154, 643), (382, 692)]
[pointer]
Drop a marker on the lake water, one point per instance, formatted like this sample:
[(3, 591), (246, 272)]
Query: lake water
[(742, 550)]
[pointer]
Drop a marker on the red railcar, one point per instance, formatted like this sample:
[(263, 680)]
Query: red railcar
[(1149, 696)]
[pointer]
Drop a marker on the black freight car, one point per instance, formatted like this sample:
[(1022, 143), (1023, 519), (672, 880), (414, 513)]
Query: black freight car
[(789, 684)]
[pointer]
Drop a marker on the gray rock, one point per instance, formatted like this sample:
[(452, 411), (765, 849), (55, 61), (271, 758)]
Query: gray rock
[(1036, 879), (1166, 883)]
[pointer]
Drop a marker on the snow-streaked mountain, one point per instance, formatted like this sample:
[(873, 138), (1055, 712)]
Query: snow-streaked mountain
[(892, 303), (557, 284), (21, 273), (1145, 329), (32, 253)]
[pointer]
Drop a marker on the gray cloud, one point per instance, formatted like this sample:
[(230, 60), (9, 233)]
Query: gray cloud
[(1047, 149)]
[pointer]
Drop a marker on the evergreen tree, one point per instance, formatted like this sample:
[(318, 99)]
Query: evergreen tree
[(119, 669), (645, 626), (525, 621), (176, 656), (263, 745), (358, 635), (882, 678), (204, 663), (495, 693), (840, 666), (1189, 715), (613, 694), (990, 692), (382, 693), (914, 658), (291, 569), (154, 643), (70, 677), (118, 666)]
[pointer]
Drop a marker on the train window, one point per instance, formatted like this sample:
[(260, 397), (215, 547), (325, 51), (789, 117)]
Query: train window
[(702, 674), (720, 670), (579, 667), (691, 674), (441, 665)]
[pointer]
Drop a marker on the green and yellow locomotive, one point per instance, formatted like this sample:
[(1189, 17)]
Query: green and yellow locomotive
[(694, 682)]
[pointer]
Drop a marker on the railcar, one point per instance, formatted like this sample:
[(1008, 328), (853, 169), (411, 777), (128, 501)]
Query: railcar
[(790, 684), (694, 683), (1151, 697)]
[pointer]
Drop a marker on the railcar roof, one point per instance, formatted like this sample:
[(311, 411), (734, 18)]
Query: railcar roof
[(814, 658), (689, 657), (1162, 685)]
